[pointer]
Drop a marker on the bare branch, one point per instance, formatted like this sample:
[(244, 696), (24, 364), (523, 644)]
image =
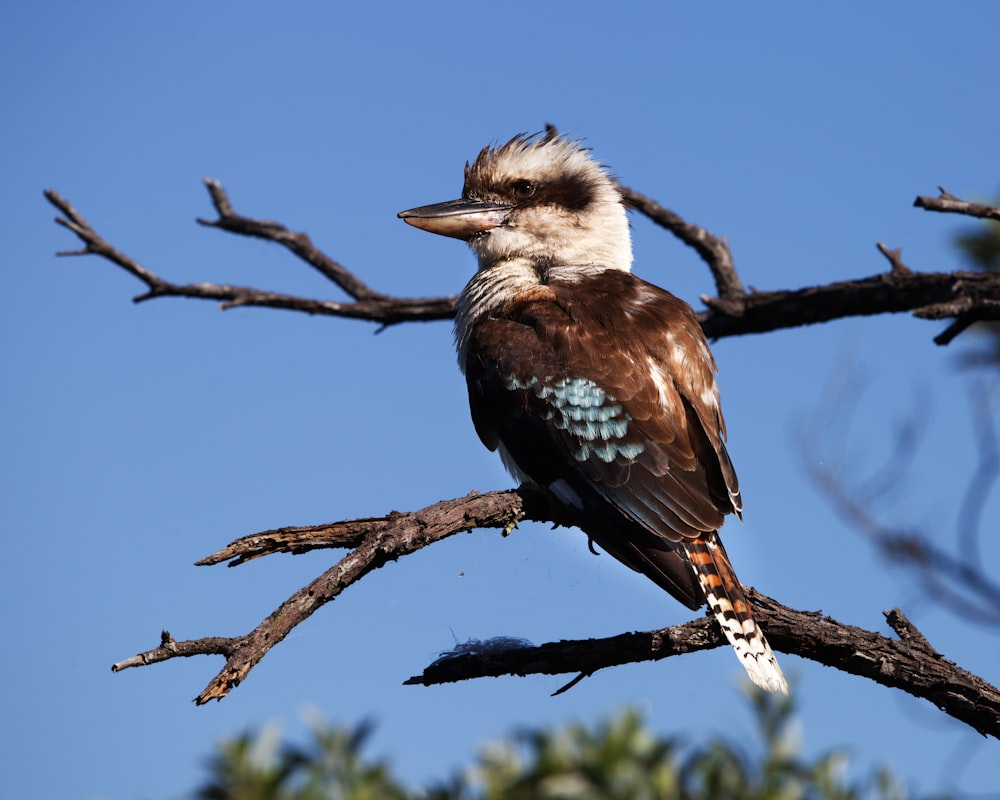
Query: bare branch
[(963, 322), (298, 243), (895, 259), (437, 521), (926, 294), (376, 542), (906, 630), (714, 251), (964, 296), (585, 656), (949, 204), (908, 663), (169, 648), (95, 244), (369, 305)]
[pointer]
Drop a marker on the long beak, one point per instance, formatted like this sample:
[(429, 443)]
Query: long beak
[(460, 219)]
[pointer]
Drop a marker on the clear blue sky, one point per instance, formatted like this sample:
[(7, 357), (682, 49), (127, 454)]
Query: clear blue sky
[(137, 439)]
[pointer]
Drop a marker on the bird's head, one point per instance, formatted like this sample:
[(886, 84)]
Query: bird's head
[(540, 199)]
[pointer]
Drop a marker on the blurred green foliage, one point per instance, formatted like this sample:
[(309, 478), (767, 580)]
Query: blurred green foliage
[(617, 758)]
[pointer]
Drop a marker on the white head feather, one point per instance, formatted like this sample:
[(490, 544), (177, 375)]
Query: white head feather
[(573, 219)]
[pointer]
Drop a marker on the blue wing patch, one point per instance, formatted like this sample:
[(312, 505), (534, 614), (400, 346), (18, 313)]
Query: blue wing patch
[(584, 410)]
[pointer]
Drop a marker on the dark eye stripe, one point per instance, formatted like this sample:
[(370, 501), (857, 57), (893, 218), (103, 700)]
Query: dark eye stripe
[(574, 192)]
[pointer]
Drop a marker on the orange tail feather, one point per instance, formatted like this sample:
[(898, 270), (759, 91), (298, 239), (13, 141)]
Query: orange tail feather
[(729, 605)]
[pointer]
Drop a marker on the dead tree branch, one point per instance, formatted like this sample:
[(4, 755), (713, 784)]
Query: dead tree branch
[(298, 243), (965, 297), (931, 295), (714, 251), (909, 663), (376, 541), (949, 204), (367, 305)]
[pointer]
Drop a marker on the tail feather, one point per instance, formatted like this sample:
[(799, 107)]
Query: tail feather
[(732, 611)]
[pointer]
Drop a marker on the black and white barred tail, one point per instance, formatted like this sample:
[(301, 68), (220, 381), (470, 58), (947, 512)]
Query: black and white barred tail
[(729, 605)]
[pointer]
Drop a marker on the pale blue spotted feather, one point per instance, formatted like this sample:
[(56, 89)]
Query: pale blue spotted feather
[(581, 407)]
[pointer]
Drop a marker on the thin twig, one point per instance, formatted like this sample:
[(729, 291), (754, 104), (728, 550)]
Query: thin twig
[(949, 204), (895, 259), (988, 311), (298, 243), (94, 244), (169, 648), (906, 630)]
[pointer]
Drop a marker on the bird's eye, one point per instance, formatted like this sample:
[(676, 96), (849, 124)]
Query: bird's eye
[(523, 189)]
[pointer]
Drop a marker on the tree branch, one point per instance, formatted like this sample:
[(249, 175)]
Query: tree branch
[(966, 297), (376, 542), (298, 243), (909, 663), (714, 251), (949, 204), (931, 295), (368, 305)]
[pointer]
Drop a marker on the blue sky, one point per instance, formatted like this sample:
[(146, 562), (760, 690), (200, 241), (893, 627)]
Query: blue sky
[(139, 438)]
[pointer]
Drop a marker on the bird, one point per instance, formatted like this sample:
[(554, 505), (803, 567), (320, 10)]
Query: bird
[(593, 384)]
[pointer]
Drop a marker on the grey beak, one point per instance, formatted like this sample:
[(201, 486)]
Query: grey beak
[(460, 219)]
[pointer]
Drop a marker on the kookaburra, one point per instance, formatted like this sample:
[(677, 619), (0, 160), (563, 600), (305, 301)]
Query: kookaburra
[(593, 384)]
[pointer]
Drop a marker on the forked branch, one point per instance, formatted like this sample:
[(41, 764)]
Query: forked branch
[(908, 663), (375, 542), (367, 304)]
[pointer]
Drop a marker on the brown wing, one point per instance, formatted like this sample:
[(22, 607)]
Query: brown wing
[(605, 394)]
